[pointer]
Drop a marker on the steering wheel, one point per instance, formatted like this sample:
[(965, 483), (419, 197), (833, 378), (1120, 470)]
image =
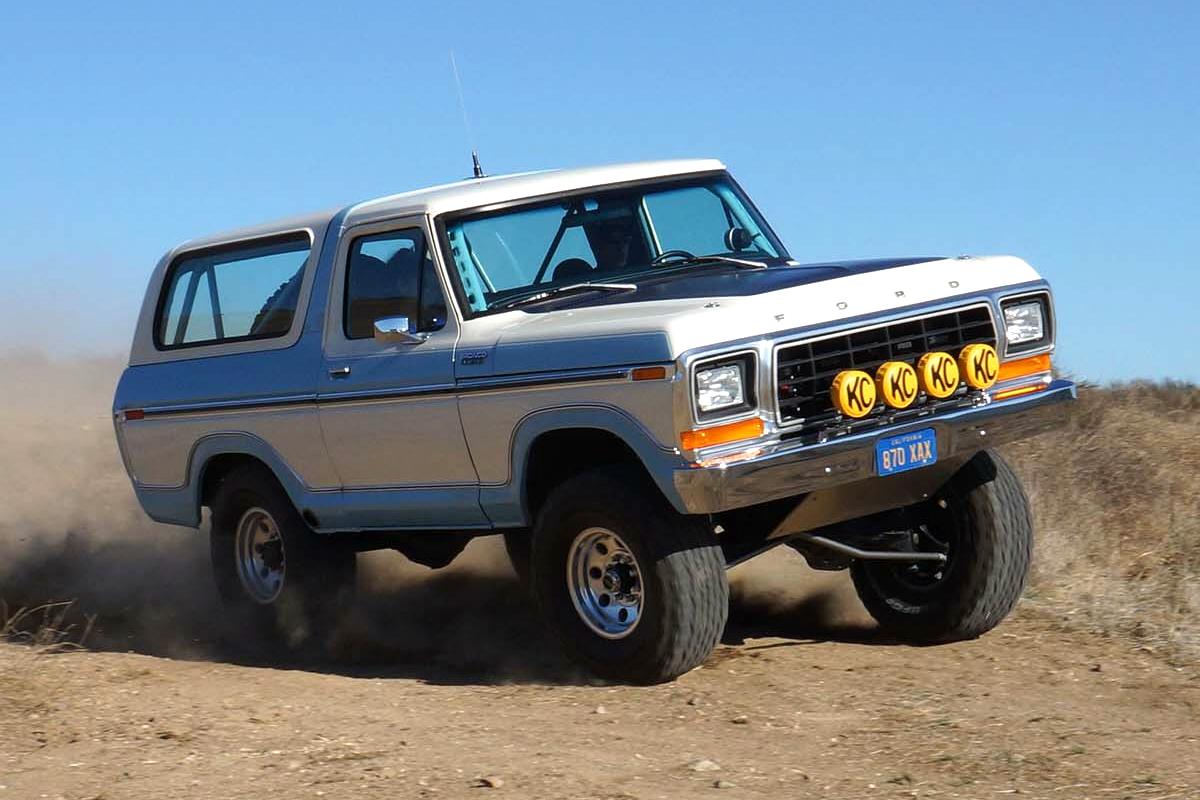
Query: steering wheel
[(667, 254)]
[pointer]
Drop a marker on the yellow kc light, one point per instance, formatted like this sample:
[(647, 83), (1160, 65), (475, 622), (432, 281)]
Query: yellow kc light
[(896, 383), (853, 393), (979, 365), (937, 374)]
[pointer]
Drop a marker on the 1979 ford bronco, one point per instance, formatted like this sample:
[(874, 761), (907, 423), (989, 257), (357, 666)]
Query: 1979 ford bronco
[(622, 371)]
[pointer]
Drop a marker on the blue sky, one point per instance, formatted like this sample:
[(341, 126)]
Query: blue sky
[(1066, 133)]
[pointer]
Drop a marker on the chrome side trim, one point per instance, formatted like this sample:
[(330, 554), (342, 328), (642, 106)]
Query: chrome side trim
[(400, 487), (228, 405), (546, 378), (364, 395)]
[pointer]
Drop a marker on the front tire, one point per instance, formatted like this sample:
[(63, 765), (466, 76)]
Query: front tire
[(981, 520), (518, 544), (273, 571), (634, 591)]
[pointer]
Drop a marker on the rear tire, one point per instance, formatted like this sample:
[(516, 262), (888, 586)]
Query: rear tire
[(273, 571), (983, 516), (633, 590)]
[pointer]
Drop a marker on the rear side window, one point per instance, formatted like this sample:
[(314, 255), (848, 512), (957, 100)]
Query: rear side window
[(233, 294)]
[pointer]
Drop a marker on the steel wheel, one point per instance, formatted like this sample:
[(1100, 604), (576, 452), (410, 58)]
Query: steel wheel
[(983, 525), (605, 583), (643, 597), (260, 557), (934, 536)]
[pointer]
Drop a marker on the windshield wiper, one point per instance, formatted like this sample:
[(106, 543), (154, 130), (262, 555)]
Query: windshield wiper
[(740, 263), (571, 289)]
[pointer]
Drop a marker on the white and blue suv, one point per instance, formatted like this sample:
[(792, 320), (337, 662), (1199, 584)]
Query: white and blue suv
[(619, 369)]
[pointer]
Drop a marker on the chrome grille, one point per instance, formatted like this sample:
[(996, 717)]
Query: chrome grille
[(804, 371)]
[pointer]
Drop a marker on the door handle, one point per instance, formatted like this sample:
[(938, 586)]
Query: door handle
[(340, 372)]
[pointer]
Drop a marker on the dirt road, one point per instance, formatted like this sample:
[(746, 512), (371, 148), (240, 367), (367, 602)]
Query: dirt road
[(804, 699)]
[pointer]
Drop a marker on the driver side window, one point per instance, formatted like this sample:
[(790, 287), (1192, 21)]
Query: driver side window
[(392, 275)]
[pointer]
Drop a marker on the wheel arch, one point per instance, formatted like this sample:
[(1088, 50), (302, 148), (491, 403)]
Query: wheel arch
[(562, 453), (215, 456), (551, 445), (217, 468)]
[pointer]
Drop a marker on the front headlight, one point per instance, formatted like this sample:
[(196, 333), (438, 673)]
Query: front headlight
[(719, 388), (724, 387), (1025, 324)]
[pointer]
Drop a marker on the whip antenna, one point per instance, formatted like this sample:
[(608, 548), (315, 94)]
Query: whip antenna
[(476, 169)]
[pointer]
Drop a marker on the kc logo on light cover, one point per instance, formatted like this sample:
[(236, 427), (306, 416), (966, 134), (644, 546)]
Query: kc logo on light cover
[(979, 365), (896, 383), (853, 393), (938, 374)]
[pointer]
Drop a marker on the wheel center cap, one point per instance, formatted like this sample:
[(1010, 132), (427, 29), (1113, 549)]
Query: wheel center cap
[(619, 578), (271, 553)]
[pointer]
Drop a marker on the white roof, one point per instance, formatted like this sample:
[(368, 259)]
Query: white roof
[(475, 192)]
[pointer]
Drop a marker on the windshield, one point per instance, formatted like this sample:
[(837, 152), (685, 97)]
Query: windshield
[(604, 236)]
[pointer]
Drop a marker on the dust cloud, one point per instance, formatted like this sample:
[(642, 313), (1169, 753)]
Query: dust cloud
[(71, 530)]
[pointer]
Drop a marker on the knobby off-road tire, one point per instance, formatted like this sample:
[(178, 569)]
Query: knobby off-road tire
[(681, 577), (986, 521), (315, 576)]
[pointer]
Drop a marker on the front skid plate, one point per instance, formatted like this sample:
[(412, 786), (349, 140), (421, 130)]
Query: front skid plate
[(863, 498)]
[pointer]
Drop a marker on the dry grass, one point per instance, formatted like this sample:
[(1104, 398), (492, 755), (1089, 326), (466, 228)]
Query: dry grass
[(1116, 496), (47, 627), (45, 630)]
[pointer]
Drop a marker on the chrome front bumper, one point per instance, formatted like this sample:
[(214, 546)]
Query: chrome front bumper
[(786, 469)]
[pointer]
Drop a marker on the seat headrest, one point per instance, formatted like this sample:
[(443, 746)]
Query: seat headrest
[(572, 269)]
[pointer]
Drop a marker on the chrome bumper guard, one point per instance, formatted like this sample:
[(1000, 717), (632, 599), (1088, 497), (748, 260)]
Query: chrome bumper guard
[(786, 469)]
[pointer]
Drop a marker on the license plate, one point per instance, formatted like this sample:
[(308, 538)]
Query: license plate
[(904, 452)]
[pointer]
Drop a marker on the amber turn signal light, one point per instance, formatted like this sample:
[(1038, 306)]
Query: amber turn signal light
[(1024, 366), (648, 374), (1019, 391), (1020, 368), (722, 434)]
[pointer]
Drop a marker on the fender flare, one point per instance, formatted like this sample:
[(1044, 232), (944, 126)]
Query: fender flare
[(505, 504)]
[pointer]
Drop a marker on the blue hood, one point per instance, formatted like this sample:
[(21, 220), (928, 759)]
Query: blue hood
[(719, 280)]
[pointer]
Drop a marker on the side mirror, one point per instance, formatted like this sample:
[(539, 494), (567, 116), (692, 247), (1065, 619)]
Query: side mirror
[(738, 239), (395, 330)]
